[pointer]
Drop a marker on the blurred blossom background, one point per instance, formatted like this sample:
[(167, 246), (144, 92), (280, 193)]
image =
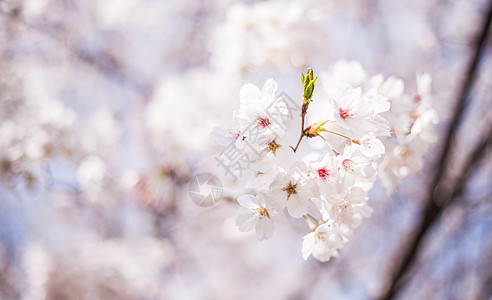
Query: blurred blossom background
[(106, 109)]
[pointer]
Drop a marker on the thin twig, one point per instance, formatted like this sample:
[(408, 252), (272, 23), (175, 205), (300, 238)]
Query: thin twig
[(303, 115)]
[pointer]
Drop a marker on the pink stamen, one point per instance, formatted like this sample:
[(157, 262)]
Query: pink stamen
[(347, 165), (264, 121), (272, 147), (345, 113), (323, 173), (262, 211), (319, 235)]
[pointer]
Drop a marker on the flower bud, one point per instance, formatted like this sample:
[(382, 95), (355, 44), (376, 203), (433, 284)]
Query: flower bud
[(308, 84)]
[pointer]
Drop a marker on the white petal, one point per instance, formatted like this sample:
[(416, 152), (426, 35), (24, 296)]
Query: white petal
[(246, 221), (224, 135), (321, 252), (367, 171), (278, 216), (269, 89), (260, 181), (392, 88), (248, 201), (377, 146), (307, 245), (381, 104), (249, 94), (357, 195), (297, 207), (264, 229)]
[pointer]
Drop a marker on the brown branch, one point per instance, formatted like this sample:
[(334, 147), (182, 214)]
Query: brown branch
[(303, 116)]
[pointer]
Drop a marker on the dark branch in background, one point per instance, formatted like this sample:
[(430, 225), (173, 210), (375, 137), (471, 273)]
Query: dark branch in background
[(433, 206), (478, 154)]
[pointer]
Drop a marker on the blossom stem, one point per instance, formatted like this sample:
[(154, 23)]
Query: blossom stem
[(309, 222), (339, 134), (314, 219), (331, 147)]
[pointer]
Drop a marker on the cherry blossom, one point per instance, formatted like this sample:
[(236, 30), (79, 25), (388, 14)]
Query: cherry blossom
[(293, 189), (367, 126), (260, 214), (323, 242)]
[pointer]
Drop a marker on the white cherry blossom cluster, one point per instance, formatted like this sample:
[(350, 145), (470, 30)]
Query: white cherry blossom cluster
[(411, 117), (327, 185)]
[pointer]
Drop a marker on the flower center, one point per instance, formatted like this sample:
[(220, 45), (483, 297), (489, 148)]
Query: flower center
[(323, 173), (319, 235), (345, 113), (367, 143), (262, 211), (272, 147), (235, 134), (347, 165), (263, 121), (290, 189)]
